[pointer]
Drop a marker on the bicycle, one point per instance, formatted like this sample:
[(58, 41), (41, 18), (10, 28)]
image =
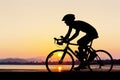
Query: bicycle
[(62, 60)]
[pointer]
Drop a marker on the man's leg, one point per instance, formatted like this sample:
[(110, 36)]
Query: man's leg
[(92, 56), (83, 42), (82, 57), (81, 53)]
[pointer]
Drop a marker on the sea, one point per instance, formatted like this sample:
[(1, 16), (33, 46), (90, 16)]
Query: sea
[(40, 67), (22, 67)]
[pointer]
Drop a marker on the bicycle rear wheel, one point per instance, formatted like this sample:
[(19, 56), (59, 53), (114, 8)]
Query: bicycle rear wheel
[(53, 65), (103, 62)]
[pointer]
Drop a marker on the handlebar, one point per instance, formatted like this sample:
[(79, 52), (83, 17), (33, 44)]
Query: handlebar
[(58, 41), (61, 41)]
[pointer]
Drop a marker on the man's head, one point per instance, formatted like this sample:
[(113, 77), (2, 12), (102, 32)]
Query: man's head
[(69, 18)]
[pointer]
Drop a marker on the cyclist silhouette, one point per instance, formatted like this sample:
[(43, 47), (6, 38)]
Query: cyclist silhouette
[(79, 26)]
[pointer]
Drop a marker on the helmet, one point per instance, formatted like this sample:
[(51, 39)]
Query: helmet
[(68, 17)]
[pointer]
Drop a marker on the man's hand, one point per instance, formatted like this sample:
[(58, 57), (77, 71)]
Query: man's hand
[(65, 40)]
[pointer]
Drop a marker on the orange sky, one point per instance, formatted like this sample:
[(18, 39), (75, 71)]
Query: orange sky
[(27, 27)]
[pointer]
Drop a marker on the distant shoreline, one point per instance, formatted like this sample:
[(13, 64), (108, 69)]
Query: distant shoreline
[(23, 70), (21, 64)]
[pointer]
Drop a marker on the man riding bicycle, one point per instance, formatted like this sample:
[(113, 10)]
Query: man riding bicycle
[(79, 25)]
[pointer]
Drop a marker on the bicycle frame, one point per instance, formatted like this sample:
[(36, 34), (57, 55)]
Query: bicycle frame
[(66, 49), (88, 49)]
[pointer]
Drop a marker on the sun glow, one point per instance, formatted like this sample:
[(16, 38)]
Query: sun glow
[(59, 68), (59, 54)]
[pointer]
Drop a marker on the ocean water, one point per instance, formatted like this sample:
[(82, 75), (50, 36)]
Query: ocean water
[(115, 67), (22, 67)]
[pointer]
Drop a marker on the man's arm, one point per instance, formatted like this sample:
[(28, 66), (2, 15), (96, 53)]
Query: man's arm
[(68, 33), (74, 36)]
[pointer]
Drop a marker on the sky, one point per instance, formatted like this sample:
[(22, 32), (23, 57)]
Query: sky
[(27, 27)]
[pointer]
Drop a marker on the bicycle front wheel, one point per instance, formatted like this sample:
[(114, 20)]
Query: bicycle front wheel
[(103, 62), (53, 61)]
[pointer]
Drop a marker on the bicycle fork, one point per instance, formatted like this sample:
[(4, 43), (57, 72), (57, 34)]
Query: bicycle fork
[(61, 60)]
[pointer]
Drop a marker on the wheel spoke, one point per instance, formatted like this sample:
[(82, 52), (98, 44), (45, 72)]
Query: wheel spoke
[(102, 63)]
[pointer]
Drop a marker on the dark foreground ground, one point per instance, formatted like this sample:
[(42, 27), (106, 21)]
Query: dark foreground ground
[(34, 74), (43, 74)]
